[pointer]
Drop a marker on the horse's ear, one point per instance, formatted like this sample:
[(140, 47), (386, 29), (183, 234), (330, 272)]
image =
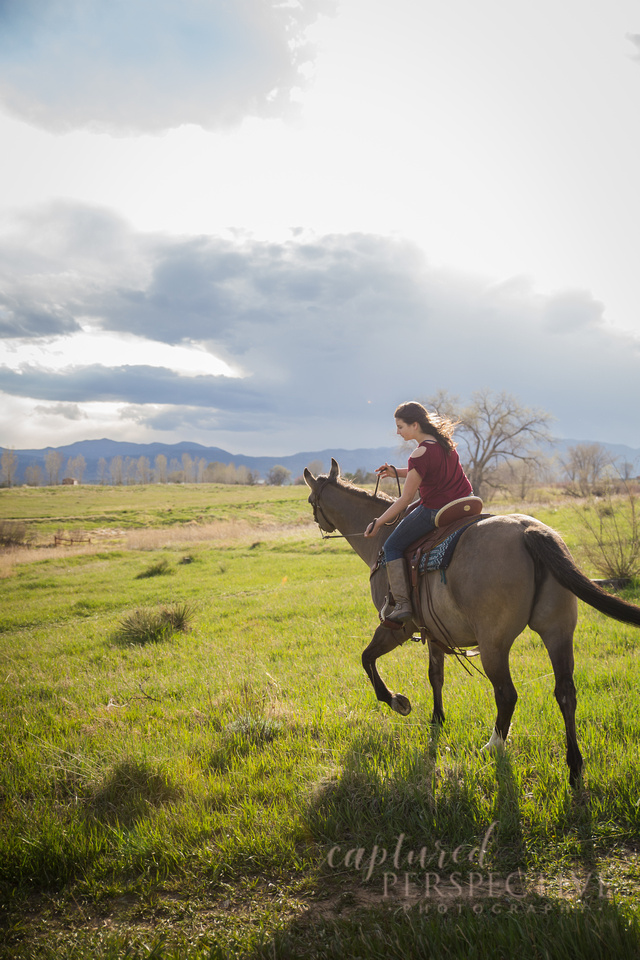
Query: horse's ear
[(334, 473), (309, 478)]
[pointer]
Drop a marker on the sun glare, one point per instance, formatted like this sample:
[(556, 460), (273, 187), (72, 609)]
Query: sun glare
[(112, 350)]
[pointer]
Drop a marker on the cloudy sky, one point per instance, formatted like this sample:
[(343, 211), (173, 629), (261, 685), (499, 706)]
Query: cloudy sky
[(262, 224)]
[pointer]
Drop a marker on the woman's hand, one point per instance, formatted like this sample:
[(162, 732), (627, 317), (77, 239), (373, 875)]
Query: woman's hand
[(371, 529), (388, 470), (385, 471)]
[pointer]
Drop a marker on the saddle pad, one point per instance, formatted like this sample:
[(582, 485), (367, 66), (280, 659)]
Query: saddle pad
[(440, 557), (437, 556), (434, 550)]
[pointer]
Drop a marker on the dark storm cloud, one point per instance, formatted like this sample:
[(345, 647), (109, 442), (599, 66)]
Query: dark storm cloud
[(131, 384), (69, 411), (331, 332), (21, 315), (150, 65)]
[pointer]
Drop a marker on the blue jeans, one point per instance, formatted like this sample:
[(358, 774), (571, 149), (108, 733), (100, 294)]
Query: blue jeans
[(420, 521)]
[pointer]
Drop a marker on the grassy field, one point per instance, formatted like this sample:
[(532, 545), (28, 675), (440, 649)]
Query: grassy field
[(235, 790)]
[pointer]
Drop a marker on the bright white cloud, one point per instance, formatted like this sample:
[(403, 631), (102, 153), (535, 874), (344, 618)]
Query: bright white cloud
[(491, 141), (93, 346), (330, 333)]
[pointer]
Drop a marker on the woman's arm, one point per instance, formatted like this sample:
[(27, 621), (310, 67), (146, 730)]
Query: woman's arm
[(409, 491)]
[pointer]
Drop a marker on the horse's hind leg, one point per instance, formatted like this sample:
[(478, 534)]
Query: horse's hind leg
[(436, 679), (560, 649), (384, 640), (555, 620), (495, 662)]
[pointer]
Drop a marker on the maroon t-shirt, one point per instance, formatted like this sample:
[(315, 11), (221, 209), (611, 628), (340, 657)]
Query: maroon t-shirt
[(442, 476)]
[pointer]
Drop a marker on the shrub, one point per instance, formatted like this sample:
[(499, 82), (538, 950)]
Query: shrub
[(158, 569), (614, 526), (148, 625), (14, 533)]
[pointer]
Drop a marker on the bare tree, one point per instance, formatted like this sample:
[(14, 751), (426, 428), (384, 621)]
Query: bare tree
[(519, 477), (33, 475), (115, 470), (143, 470), (315, 467), (53, 465), (613, 523), (131, 470), (76, 467), (160, 465), (278, 475), (188, 468), (102, 470), (584, 466), (176, 473), (8, 466), (247, 476), (493, 428)]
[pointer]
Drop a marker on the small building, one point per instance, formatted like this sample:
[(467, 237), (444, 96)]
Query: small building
[(71, 482)]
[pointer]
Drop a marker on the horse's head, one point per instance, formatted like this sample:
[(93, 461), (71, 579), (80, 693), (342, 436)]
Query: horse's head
[(339, 505), (316, 485)]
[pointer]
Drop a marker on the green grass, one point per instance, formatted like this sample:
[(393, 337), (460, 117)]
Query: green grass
[(237, 791), (87, 508)]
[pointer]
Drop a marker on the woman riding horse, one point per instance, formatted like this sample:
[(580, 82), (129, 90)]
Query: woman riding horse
[(434, 472)]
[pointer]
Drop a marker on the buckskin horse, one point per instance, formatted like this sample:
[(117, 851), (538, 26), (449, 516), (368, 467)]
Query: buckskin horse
[(507, 572)]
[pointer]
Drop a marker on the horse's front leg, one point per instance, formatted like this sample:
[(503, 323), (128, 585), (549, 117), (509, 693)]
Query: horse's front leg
[(384, 640), (436, 679)]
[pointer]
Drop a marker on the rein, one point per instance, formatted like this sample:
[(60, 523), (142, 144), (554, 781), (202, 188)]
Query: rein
[(344, 536)]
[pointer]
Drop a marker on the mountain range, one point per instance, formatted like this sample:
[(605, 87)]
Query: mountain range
[(365, 459)]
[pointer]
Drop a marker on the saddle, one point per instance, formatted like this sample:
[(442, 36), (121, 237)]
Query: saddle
[(451, 522), (434, 551)]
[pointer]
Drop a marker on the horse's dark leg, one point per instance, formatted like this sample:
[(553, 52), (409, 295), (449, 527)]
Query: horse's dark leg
[(496, 666), (384, 640), (436, 679), (561, 654), (555, 617), (565, 693)]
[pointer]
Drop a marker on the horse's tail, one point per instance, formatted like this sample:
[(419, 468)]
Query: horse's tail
[(550, 553)]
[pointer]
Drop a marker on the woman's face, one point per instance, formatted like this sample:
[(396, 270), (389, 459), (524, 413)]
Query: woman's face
[(408, 431)]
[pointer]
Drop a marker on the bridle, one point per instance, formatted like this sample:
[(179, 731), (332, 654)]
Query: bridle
[(325, 526)]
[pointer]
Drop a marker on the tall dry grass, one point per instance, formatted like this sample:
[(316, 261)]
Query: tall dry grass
[(227, 532), (222, 531)]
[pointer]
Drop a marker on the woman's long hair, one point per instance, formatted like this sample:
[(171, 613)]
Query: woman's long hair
[(440, 428)]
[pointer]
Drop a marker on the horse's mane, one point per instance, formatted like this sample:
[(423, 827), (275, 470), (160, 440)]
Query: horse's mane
[(359, 492)]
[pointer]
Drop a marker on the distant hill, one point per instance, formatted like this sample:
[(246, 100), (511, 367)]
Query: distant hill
[(95, 450), (365, 459)]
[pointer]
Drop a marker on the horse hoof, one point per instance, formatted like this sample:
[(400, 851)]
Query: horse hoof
[(400, 704), (495, 744)]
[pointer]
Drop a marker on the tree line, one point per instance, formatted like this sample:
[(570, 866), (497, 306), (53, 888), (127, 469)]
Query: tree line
[(500, 442), (121, 470)]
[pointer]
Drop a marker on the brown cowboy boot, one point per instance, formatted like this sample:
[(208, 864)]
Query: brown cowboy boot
[(397, 574)]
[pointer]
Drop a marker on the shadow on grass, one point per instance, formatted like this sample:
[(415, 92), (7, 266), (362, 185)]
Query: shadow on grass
[(578, 819), (385, 791), (539, 929), (129, 793), (507, 813)]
